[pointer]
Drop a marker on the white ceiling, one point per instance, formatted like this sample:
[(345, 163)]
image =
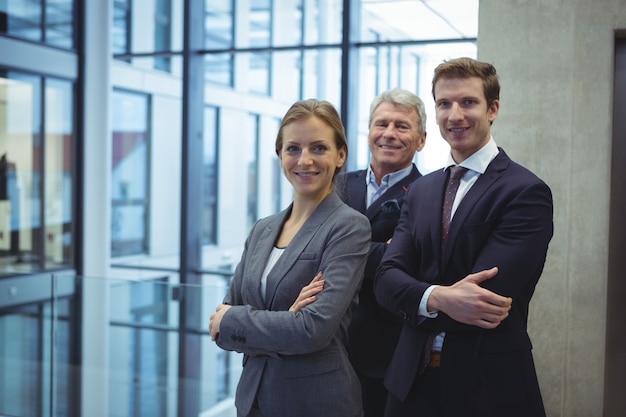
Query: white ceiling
[(423, 19)]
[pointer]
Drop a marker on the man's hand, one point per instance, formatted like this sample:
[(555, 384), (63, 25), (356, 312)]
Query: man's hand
[(468, 303), (216, 319), (308, 293)]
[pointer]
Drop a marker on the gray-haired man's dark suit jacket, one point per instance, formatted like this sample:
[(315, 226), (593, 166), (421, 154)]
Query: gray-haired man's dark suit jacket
[(296, 364), (374, 332)]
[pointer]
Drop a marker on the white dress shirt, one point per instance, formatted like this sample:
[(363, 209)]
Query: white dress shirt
[(476, 164)]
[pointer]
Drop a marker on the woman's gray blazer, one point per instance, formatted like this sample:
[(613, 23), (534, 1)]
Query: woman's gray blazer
[(296, 364)]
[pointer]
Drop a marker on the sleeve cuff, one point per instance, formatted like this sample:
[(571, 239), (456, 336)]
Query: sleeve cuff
[(422, 308)]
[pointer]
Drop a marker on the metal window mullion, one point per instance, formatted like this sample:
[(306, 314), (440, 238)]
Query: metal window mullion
[(42, 178), (190, 346)]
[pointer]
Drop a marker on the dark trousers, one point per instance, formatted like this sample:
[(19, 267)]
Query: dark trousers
[(424, 399), (374, 395)]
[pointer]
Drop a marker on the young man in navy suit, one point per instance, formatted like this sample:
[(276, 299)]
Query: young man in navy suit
[(397, 130), (464, 349)]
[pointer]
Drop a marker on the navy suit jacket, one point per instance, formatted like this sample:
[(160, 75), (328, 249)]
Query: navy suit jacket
[(505, 220), (373, 331), (296, 364)]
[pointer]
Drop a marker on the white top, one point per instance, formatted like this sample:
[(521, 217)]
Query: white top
[(274, 256)]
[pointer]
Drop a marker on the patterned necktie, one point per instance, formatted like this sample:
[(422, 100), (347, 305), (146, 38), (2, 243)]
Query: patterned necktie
[(456, 173)]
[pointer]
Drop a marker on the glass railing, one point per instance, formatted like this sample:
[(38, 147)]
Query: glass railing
[(127, 347)]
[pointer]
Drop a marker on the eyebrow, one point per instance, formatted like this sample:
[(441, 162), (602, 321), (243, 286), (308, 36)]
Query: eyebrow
[(476, 98), (393, 119), (313, 142)]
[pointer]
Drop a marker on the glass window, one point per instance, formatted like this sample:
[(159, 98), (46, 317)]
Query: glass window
[(219, 69), (268, 139), (261, 24), (21, 233), (259, 74), (287, 75), (323, 22), (25, 19), (277, 177), (148, 27), (36, 362), (260, 19), (209, 181), (409, 67), (141, 356), (163, 33), (425, 33), (36, 173), (321, 75), (129, 171), (287, 23), (58, 191), (60, 23), (120, 29), (22, 19), (250, 149), (218, 26)]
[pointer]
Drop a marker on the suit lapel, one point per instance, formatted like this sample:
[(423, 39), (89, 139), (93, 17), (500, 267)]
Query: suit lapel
[(483, 183), (356, 190), (298, 244)]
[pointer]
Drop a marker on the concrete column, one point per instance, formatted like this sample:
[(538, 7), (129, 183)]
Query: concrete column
[(555, 61)]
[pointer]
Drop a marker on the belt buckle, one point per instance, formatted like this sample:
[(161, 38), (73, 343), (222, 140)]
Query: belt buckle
[(435, 360)]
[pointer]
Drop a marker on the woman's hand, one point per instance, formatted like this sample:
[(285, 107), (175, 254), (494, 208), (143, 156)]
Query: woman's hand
[(216, 319), (307, 294)]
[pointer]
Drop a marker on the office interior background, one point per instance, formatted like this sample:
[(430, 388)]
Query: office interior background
[(137, 149)]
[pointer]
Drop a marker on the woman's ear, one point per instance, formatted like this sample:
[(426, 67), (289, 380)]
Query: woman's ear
[(342, 157)]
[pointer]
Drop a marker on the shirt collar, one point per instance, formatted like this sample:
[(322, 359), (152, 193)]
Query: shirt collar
[(479, 160), (391, 179)]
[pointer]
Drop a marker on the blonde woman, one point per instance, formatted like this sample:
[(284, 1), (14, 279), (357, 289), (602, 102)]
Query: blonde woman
[(295, 358)]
